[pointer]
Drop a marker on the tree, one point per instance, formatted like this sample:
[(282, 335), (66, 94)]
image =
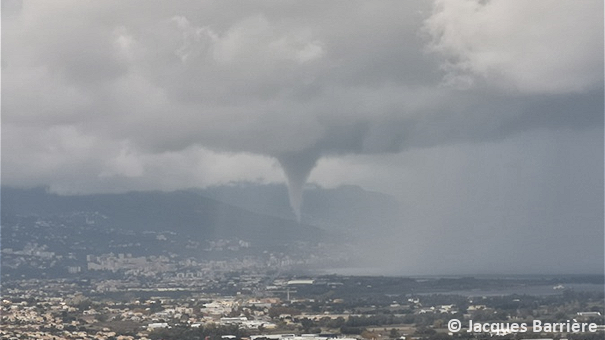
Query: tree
[(368, 335), (307, 324), (423, 330), (277, 311)]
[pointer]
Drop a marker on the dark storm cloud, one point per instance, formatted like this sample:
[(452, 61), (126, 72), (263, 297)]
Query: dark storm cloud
[(265, 80)]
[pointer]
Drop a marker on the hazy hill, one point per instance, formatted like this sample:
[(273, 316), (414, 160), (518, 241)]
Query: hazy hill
[(188, 213), (259, 212)]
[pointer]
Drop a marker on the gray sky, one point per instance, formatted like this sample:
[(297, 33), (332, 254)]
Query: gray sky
[(484, 118)]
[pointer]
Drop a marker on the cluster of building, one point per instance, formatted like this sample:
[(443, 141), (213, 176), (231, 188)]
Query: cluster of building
[(74, 316), (46, 319), (142, 265), (260, 304)]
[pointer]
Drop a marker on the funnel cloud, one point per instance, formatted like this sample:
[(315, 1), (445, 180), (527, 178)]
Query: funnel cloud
[(297, 167)]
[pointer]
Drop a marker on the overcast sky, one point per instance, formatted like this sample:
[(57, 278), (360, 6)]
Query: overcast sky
[(483, 118)]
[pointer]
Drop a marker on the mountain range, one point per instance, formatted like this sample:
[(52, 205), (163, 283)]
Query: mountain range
[(256, 212)]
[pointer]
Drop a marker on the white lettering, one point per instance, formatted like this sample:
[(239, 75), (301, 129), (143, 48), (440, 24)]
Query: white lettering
[(537, 326)]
